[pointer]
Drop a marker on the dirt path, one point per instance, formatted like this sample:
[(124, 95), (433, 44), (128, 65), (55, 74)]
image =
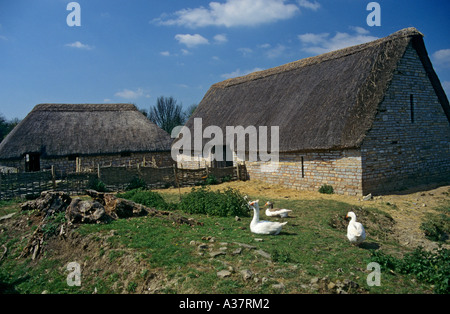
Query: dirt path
[(408, 208)]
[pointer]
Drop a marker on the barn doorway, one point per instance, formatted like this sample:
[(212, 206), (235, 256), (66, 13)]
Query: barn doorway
[(227, 160), (32, 162)]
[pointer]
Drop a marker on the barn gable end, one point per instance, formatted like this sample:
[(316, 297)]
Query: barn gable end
[(409, 142)]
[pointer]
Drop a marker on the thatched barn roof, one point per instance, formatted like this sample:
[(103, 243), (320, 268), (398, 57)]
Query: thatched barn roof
[(319, 103), (55, 130)]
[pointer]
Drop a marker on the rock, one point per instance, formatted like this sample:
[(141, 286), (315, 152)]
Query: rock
[(223, 274), (258, 240), (216, 253), (264, 254), (49, 203), (314, 280), (122, 208), (237, 218), (202, 247), (279, 286), (237, 251), (368, 197), (193, 242), (7, 216), (246, 274), (89, 212), (331, 285), (247, 246)]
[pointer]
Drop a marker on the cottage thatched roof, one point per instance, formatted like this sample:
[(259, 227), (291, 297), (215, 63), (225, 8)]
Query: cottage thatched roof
[(319, 103), (55, 130)]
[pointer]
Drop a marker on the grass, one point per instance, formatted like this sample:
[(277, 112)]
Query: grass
[(129, 255)]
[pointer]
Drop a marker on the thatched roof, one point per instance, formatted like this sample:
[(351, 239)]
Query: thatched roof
[(55, 130), (319, 103)]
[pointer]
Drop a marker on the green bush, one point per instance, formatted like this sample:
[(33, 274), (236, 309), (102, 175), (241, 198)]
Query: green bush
[(226, 178), (147, 198), (136, 183), (204, 201), (436, 227), (432, 267), (211, 180), (326, 189), (97, 185), (53, 223)]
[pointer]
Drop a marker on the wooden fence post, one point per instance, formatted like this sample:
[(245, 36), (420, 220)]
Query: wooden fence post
[(53, 177), (176, 179)]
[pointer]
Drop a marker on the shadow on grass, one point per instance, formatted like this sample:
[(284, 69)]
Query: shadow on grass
[(369, 246)]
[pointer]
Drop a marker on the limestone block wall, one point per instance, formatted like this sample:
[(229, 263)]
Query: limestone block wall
[(311, 170), (409, 143)]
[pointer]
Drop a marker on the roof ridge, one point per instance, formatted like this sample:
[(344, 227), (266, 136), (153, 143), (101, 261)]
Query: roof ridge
[(328, 56), (84, 107)]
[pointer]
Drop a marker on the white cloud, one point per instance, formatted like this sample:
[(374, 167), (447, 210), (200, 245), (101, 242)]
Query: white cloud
[(446, 87), (221, 38), (165, 53), (3, 37), (322, 43), (264, 46), (442, 58), (238, 72), (360, 30), (245, 51), (79, 45), (309, 5), (132, 94), (276, 52), (185, 52), (191, 40), (233, 13)]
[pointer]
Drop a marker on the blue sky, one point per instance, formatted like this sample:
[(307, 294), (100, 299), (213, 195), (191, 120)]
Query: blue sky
[(137, 50)]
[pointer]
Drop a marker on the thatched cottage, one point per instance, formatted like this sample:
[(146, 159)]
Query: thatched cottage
[(368, 118), (73, 137)]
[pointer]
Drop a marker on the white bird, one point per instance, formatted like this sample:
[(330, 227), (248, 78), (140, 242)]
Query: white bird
[(263, 226), (276, 212), (355, 230)]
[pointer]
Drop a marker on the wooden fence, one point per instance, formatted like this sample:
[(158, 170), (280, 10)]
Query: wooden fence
[(115, 178)]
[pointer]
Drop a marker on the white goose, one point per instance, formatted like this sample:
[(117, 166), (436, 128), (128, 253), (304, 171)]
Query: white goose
[(276, 212), (355, 230), (263, 227)]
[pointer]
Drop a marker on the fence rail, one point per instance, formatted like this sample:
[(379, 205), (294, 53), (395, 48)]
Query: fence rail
[(115, 179)]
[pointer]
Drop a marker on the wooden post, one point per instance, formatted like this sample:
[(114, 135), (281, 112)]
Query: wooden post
[(176, 180), (53, 177)]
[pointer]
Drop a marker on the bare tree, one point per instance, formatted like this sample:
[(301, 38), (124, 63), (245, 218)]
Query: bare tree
[(167, 114), (7, 126)]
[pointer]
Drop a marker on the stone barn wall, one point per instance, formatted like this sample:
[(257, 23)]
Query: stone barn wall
[(409, 143)]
